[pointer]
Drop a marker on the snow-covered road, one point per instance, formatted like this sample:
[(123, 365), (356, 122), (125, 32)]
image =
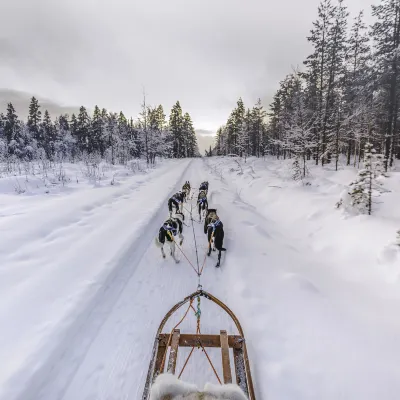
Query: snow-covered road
[(85, 290), (59, 257)]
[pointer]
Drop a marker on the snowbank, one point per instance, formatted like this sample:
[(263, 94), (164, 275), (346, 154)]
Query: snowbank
[(316, 289), (36, 177), (169, 385)]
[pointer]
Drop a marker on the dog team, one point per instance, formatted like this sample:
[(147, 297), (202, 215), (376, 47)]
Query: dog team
[(171, 231)]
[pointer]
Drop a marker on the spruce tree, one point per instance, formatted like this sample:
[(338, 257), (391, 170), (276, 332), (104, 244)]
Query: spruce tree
[(34, 119), (83, 129), (48, 133), (95, 138), (175, 126), (12, 130)]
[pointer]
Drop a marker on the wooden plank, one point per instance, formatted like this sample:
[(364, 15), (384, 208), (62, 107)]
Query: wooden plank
[(173, 354), (240, 370), (189, 340), (159, 357), (226, 364)]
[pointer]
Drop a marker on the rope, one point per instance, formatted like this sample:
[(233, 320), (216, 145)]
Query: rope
[(194, 268), (205, 257), (198, 332), (195, 243), (170, 335)]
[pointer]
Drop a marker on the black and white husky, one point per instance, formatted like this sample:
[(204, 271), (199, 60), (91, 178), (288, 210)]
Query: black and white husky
[(202, 202), (204, 186), (170, 229), (214, 229), (186, 189), (175, 202)]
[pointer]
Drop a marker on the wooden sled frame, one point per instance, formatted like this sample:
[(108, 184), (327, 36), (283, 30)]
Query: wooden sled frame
[(223, 341)]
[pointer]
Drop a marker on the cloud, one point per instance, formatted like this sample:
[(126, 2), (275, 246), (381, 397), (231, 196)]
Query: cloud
[(204, 53)]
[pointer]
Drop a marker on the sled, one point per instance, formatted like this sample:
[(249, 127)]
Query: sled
[(175, 339)]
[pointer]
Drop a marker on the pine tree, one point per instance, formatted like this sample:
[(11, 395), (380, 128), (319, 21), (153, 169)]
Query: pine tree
[(356, 93), (299, 133), (48, 133), (317, 64), (124, 138), (366, 186), (112, 130), (175, 126), (336, 51), (258, 128), (189, 135), (83, 130), (65, 144), (386, 35), (96, 135), (12, 131), (34, 119)]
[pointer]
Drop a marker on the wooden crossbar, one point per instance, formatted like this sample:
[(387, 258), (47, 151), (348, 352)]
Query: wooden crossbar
[(190, 340)]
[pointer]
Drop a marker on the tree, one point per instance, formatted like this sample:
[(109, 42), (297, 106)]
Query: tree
[(34, 119), (96, 136), (356, 93), (189, 137), (83, 130), (366, 185), (12, 131), (317, 64), (386, 35), (48, 133), (175, 126)]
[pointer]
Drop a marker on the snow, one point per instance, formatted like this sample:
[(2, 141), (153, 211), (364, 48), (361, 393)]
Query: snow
[(315, 288), (167, 384)]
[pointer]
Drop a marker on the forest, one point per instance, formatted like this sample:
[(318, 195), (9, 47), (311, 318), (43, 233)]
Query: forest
[(102, 135), (343, 97)]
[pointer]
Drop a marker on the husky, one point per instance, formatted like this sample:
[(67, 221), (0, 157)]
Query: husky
[(186, 189), (171, 228), (175, 201), (214, 229), (169, 387), (204, 186), (202, 202)]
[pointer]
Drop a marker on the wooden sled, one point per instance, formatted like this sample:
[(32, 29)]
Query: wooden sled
[(224, 341)]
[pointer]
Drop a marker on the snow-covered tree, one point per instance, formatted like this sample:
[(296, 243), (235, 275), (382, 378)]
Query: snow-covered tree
[(365, 187)]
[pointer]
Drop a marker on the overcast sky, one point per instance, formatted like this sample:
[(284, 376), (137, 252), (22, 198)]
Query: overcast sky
[(206, 53)]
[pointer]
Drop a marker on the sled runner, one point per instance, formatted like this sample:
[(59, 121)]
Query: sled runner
[(175, 339)]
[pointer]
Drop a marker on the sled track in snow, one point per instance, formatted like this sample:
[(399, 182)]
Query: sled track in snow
[(74, 343)]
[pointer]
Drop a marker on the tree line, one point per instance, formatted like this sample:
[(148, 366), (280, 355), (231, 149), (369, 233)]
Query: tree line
[(244, 133), (105, 134), (345, 96)]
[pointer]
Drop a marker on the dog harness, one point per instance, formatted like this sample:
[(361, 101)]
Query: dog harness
[(174, 198), (171, 229), (203, 200), (215, 224)]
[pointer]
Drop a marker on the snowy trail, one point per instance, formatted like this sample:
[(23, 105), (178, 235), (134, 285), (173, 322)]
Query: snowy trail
[(104, 352), (312, 330), (71, 252)]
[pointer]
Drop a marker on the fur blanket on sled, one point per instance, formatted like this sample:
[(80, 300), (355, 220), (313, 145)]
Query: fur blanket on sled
[(168, 387)]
